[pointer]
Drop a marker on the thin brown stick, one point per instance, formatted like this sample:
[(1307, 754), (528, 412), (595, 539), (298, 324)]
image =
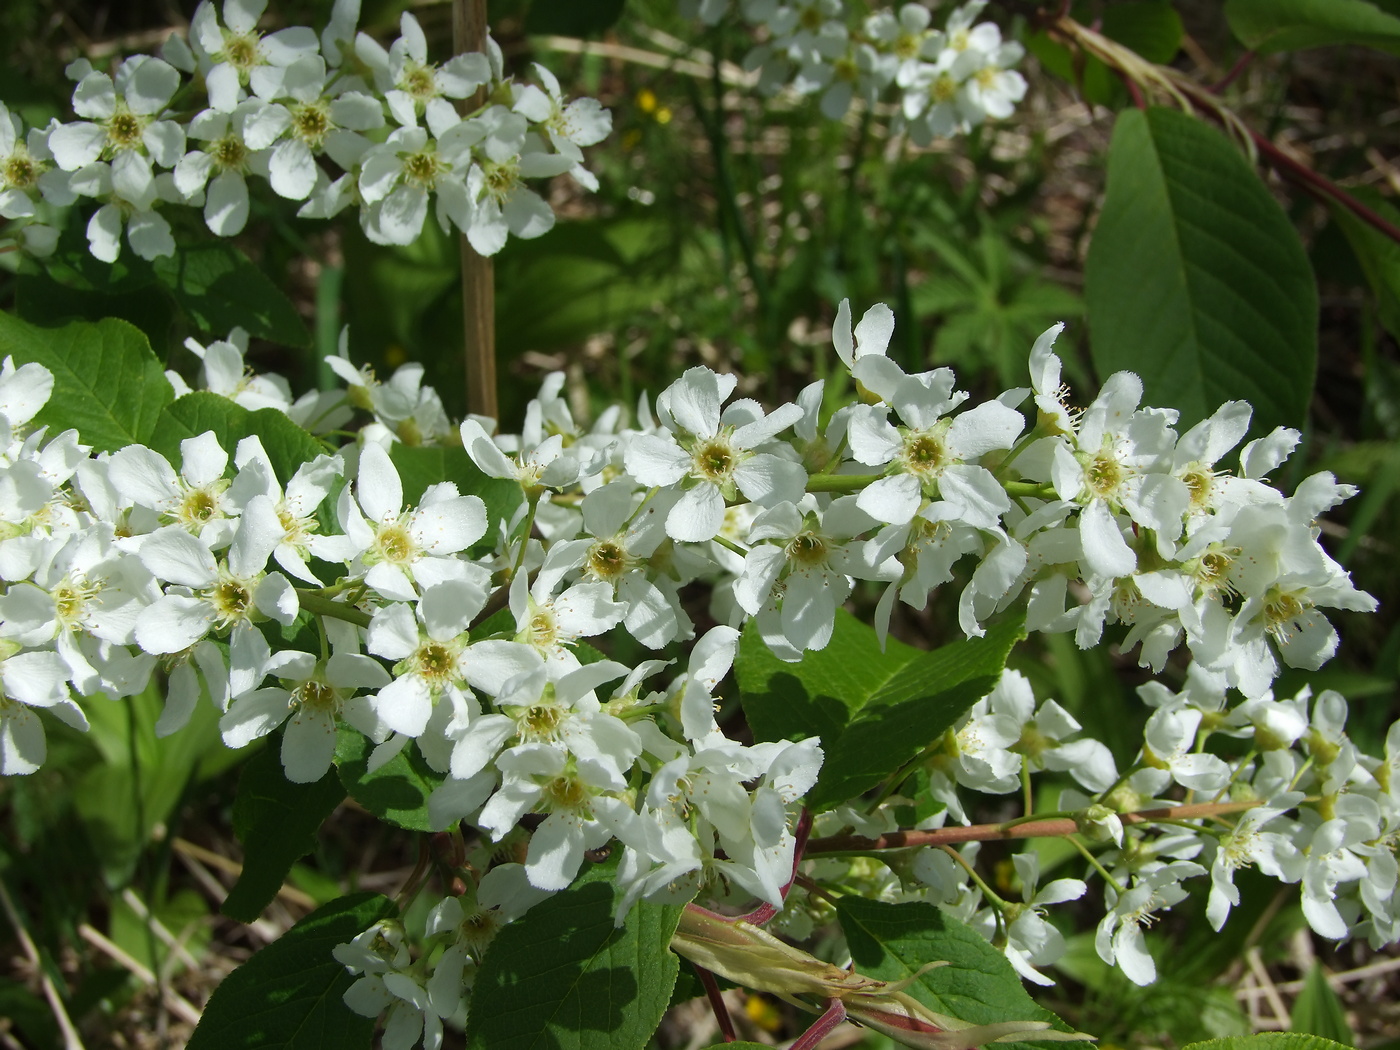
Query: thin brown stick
[(1051, 827), (478, 274), (174, 1001)]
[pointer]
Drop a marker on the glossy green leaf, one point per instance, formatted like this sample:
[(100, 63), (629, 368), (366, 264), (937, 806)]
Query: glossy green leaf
[(1319, 1011), (571, 18), (873, 710), (1268, 26), (565, 977), (289, 996), (892, 941), (396, 792), (41, 300), (1378, 254), (287, 445), (1196, 280), (421, 466), (219, 288), (277, 822), (107, 382), (1267, 1041)]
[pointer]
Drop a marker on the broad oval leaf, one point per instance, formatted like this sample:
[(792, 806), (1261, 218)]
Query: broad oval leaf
[(564, 976), (290, 995), (873, 710), (1196, 280), (397, 792), (892, 942), (1268, 26), (107, 384), (277, 822), (219, 288), (287, 445)]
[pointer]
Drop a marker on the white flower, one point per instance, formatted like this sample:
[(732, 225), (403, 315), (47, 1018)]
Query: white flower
[(1119, 937), (193, 499), (714, 454), (316, 123), (398, 178), (123, 128), (396, 547), (235, 55), (31, 680), (313, 694), (410, 83), (1247, 843), (237, 142)]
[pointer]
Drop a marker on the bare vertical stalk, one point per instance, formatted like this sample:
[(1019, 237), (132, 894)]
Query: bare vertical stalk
[(478, 274)]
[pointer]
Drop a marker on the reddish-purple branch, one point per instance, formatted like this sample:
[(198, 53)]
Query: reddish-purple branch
[(1321, 185), (765, 911), (1051, 827), (1241, 64), (822, 1026), (717, 1004)]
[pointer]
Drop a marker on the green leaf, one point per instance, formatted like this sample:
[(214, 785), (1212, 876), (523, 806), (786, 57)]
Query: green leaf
[(420, 466), (396, 792), (564, 976), (1318, 1010), (287, 445), (579, 279), (1152, 28), (277, 822), (1378, 254), (219, 288), (1268, 26), (571, 18), (890, 942), (1267, 1041), (1195, 278), (108, 385), (289, 996), (873, 710), (43, 301)]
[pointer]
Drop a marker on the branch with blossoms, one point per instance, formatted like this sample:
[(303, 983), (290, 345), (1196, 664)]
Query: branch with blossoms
[(335, 122), (372, 620)]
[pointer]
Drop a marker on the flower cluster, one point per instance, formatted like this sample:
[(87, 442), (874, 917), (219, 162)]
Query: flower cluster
[(1287, 792), (431, 624), (949, 80), (332, 121)]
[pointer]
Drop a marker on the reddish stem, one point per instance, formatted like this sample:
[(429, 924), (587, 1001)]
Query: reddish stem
[(765, 911), (717, 1004), (822, 1026), (1052, 827), (1322, 186), (1241, 64)]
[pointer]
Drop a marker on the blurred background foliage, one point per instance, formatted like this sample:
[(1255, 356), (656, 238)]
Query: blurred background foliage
[(726, 230)]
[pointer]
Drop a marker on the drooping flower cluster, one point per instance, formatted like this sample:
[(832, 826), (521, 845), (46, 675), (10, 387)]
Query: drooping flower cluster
[(464, 634), (1271, 784), (333, 121), (949, 80)]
